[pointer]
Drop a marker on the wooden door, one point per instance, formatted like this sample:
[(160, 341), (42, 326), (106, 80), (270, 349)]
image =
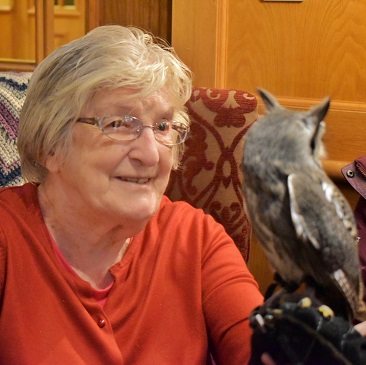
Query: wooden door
[(31, 29), (17, 31)]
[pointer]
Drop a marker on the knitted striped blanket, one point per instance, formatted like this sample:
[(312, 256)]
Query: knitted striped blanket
[(13, 87)]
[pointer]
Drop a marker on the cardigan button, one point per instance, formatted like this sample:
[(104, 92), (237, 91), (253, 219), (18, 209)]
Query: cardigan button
[(101, 322)]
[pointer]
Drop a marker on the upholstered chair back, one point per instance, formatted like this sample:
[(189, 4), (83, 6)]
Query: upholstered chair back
[(209, 176)]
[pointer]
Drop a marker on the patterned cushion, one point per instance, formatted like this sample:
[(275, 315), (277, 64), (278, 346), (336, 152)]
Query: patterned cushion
[(210, 177), (13, 87)]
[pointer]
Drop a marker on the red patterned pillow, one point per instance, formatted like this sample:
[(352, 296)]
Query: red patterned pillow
[(210, 177)]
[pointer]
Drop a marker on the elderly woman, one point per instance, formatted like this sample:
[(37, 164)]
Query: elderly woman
[(97, 265)]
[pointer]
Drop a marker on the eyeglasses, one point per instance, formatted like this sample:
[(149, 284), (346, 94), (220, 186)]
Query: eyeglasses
[(128, 128)]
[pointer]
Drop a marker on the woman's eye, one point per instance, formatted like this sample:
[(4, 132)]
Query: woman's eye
[(115, 124), (163, 126), (118, 124)]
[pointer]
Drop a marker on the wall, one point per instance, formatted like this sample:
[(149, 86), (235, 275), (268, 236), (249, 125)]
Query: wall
[(31, 29), (300, 51), (152, 15), (26, 26)]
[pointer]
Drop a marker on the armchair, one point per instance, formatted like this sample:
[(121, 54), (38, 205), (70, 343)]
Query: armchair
[(209, 176)]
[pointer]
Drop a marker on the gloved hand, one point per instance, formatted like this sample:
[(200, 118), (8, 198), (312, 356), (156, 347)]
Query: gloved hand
[(295, 329)]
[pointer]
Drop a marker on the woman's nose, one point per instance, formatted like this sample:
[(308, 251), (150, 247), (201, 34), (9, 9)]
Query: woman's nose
[(146, 148)]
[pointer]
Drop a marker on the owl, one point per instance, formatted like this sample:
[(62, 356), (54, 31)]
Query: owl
[(301, 219)]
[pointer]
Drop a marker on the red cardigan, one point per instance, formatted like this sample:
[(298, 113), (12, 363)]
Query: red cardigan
[(181, 284)]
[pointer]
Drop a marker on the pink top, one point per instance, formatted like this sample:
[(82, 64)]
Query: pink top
[(99, 294)]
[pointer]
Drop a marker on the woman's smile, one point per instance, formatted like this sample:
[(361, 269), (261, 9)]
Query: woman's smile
[(136, 180)]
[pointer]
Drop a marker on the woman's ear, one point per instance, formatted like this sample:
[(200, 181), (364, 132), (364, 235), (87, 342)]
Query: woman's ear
[(53, 162)]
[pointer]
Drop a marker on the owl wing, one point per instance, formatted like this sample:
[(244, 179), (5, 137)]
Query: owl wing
[(319, 212), (323, 219)]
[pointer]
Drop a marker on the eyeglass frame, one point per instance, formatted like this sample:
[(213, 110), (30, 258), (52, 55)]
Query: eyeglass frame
[(98, 121)]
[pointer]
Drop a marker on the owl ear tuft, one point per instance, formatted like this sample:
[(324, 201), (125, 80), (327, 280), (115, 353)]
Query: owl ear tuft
[(269, 100), (319, 111)]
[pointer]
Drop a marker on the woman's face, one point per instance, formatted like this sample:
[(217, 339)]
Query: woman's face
[(116, 180)]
